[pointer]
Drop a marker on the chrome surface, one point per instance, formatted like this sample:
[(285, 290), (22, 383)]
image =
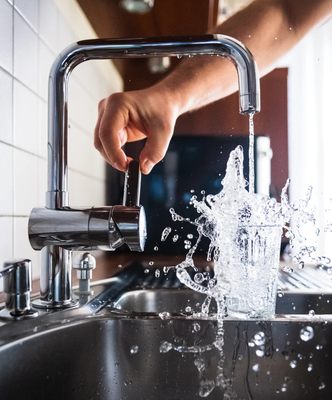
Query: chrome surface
[(17, 287), (84, 272), (74, 229)]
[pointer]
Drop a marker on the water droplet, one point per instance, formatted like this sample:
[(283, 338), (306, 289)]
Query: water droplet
[(187, 244), (151, 263), (319, 347), (288, 269), (251, 344), (260, 353), (188, 309), (311, 313), (206, 387), (146, 271), (157, 273), (306, 333), (310, 367), (199, 364), (190, 236), (284, 387), (164, 315), (259, 339), (199, 277), (156, 248), (321, 386), (212, 283), (255, 367), (134, 349), (293, 364), (165, 347), (196, 327), (165, 233), (175, 238), (120, 266)]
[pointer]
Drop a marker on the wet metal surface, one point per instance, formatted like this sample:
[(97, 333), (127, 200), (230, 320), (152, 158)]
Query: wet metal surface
[(113, 352)]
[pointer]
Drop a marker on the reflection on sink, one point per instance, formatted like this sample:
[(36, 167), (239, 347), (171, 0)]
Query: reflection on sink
[(186, 302), (116, 353)]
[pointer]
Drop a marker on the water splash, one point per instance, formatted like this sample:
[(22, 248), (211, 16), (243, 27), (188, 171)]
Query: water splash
[(306, 333), (165, 233)]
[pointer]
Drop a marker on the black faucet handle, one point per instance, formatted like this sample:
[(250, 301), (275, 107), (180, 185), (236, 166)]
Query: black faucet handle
[(132, 185)]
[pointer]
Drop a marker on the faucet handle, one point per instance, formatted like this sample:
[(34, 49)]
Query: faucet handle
[(132, 185), (130, 217)]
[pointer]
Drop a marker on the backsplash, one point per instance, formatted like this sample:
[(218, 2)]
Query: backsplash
[(32, 33)]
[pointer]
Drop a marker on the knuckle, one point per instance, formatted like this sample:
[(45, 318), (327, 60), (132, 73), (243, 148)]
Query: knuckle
[(115, 99)]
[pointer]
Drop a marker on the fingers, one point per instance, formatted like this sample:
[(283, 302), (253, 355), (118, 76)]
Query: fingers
[(129, 117), (155, 149), (110, 132)]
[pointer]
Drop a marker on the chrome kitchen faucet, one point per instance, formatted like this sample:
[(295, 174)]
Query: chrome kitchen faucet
[(59, 229)]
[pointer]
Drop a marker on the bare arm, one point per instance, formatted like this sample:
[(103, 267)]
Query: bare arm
[(269, 28)]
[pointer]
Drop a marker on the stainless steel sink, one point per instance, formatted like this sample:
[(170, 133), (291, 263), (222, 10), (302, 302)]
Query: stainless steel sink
[(131, 349)]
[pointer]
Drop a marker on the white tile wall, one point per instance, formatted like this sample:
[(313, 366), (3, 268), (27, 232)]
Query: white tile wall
[(48, 23), (25, 182), (6, 35), (6, 242), (25, 118), (32, 32), (25, 52), (7, 181), (6, 106), (29, 11)]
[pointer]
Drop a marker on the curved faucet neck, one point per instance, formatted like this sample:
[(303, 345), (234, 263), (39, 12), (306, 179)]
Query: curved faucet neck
[(220, 45)]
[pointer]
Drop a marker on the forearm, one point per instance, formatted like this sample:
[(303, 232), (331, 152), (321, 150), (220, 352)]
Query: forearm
[(269, 28)]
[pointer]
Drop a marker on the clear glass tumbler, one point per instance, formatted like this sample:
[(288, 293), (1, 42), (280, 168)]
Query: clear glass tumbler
[(248, 264)]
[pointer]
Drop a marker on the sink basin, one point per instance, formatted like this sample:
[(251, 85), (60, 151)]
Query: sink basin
[(131, 349)]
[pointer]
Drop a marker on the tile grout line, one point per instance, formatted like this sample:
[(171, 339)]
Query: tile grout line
[(78, 171)]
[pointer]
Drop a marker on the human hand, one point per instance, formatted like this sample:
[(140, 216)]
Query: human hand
[(130, 116)]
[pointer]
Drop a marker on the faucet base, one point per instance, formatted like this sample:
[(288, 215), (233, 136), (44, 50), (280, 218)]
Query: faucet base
[(50, 305)]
